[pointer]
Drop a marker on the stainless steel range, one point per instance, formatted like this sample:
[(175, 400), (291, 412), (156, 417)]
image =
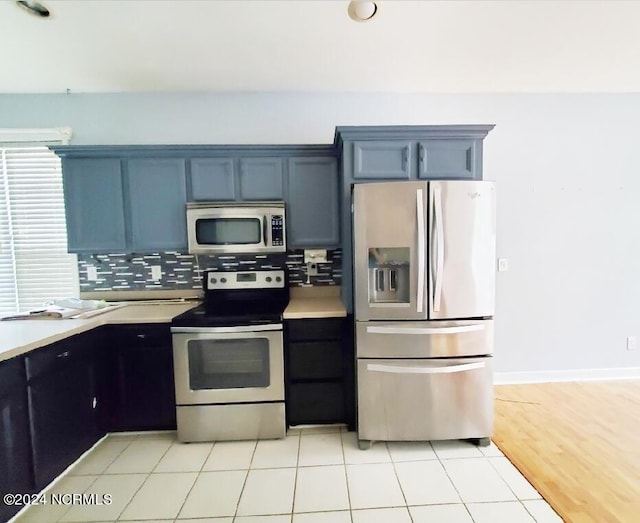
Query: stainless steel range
[(228, 358)]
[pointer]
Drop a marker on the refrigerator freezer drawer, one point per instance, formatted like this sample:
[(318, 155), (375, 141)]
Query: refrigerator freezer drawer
[(419, 400), (424, 339)]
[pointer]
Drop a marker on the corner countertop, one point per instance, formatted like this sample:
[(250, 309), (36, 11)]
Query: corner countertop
[(315, 302), (21, 336)]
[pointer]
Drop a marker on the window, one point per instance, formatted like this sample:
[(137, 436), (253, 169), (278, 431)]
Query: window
[(34, 263)]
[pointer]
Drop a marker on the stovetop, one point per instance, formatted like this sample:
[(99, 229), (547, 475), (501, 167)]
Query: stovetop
[(201, 317), (239, 298)]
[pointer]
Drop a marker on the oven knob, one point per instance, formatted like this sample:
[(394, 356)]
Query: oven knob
[(268, 278), (223, 280), (213, 280), (278, 278)]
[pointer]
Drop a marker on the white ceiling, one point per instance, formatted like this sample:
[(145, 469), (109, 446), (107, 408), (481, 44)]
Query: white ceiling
[(411, 46)]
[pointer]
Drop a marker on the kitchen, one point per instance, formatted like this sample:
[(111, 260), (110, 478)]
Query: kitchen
[(562, 125), (231, 258)]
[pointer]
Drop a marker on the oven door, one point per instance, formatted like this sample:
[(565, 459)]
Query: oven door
[(228, 364)]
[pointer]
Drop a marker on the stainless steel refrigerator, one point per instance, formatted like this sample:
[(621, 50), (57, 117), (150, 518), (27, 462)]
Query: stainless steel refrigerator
[(424, 263)]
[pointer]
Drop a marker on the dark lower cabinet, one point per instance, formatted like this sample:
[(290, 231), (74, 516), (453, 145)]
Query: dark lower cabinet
[(15, 449), (62, 405), (143, 380), (319, 370)]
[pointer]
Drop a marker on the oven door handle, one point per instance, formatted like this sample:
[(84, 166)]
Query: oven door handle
[(215, 330)]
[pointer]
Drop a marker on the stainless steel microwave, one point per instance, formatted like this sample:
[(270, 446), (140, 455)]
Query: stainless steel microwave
[(214, 228)]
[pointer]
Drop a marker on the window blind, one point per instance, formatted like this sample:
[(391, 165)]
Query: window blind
[(34, 264)]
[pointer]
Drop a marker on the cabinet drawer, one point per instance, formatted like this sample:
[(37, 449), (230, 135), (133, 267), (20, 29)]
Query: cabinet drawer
[(11, 375), (315, 360), (142, 335), (315, 403), (57, 356), (316, 329), (425, 399)]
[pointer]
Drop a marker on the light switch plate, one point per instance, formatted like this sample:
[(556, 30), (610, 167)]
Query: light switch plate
[(156, 272), (92, 273), (503, 264)]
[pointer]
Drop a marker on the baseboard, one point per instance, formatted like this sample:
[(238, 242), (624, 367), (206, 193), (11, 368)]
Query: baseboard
[(547, 376)]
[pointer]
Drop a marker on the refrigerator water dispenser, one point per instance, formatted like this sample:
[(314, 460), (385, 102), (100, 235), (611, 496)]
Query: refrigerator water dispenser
[(389, 275)]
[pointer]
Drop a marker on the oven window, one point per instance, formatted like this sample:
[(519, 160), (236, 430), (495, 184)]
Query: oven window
[(228, 364), (228, 231)]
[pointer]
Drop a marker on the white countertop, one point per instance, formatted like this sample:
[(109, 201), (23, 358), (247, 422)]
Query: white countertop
[(21, 336), (315, 302)]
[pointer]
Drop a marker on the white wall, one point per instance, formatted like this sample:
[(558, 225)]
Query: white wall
[(568, 175)]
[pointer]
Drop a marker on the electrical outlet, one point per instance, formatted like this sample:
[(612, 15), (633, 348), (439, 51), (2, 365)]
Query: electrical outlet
[(632, 343), (503, 264), (312, 269), (92, 273), (156, 272)]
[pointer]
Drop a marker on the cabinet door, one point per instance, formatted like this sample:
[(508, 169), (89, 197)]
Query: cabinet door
[(315, 402), (449, 159), (15, 448), (261, 179), (145, 378), (157, 203), (62, 413), (313, 209), (94, 204), (212, 179), (382, 160)]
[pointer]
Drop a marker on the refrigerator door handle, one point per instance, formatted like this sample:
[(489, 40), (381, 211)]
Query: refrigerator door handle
[(421, 236), (439, 241), (425, 330), (448, 369)]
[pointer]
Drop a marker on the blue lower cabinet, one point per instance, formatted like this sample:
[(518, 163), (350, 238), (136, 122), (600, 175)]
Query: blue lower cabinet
[(15, 446), (157, 193), (313, 207), (62, 404)]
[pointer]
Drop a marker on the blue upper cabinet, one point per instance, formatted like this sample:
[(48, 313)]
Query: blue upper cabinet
[(382, 160), (93, 196), (213, 179), (261, 179), (157, 202), (449, 159), (313, 206)]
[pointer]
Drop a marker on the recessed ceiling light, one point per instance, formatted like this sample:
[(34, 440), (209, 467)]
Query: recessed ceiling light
[(362, 10), (35, 8)]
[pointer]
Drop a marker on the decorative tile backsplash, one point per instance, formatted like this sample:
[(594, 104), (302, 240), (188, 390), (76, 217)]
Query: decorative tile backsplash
[(184, 271)]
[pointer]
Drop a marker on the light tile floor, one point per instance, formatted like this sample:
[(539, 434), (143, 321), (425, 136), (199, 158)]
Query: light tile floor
[(315, 475)]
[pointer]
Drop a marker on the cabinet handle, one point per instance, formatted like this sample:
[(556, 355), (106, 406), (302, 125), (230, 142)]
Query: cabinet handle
[(422, 153), (405, 158), (141, 336), (94, 402), (64, 354)]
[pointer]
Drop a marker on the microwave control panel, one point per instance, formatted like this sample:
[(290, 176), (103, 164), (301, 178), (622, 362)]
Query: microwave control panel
[(277, 232)]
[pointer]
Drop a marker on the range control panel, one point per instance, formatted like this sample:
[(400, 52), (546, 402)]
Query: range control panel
[(270, 279), (277, 230)]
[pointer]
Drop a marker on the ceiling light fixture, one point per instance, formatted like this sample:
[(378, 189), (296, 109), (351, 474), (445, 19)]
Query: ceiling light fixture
[(35, 8), (362, 10)]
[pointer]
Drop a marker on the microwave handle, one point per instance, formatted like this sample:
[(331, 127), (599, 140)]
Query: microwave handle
[(264, 229)]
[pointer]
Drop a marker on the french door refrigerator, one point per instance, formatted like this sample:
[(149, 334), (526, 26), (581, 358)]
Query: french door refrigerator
[(424, 263)]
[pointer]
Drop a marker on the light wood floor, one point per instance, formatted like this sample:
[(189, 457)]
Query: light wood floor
[(577, 443)]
